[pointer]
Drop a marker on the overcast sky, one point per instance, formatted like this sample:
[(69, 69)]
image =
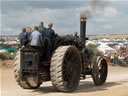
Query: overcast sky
[(65, 15)]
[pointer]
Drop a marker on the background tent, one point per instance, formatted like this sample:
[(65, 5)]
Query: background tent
[(104, 47)]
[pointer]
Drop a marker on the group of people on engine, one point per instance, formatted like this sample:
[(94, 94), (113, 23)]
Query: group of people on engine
[(39, 38)]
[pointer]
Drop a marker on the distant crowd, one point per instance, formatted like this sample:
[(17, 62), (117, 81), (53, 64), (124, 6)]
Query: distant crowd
[(118, 57)]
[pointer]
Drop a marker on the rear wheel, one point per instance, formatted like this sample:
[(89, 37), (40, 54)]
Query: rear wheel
[(99, 70), (26, 84), (65, 68)]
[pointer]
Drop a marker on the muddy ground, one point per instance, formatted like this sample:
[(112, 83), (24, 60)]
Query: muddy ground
[(116, 85)]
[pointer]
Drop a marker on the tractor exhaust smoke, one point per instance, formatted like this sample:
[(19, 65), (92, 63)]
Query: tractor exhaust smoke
[(95, 5)]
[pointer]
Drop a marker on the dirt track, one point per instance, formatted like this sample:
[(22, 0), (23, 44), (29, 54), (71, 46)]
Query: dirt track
[(116, 85)]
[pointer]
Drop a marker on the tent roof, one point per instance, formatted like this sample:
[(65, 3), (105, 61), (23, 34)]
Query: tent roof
[(104, 47), (90, 42)]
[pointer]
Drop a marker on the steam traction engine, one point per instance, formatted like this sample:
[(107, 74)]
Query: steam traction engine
[(70, 60)]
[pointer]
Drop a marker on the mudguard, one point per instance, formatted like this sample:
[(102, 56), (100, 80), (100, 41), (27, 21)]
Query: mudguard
[(29, 59)]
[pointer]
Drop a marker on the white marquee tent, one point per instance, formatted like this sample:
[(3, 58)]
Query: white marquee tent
[(90, 42), (104, 47)]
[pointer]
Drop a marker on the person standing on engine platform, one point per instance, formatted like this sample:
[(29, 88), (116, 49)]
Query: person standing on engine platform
[(29, 31), (76, 35), (23, 37), (36, 39), (42, 28), (49, 36)]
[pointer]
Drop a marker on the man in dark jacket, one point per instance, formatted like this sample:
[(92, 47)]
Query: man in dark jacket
[(49, 36), (23, 37)]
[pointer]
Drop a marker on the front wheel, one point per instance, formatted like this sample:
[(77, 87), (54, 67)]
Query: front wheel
[(65, 68), (99, 70)]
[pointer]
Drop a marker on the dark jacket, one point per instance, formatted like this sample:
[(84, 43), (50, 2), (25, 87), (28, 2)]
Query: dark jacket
[(29, 35), (49, 37), (24, 38), (49, 34), (41, 29)]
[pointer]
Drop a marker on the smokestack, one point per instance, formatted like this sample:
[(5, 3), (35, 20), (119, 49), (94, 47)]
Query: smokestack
[(83, 28)]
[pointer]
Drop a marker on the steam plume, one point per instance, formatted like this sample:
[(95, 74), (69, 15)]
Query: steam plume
[(95, 5)]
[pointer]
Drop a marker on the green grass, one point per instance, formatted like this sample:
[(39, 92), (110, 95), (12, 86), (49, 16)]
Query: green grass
[(7, 56)]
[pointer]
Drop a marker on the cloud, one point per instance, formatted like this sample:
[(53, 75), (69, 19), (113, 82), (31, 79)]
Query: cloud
[(107, 27), (21, 5), (65, 19), (61, 18), (110, 12), (19, 14), (8, 29)]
